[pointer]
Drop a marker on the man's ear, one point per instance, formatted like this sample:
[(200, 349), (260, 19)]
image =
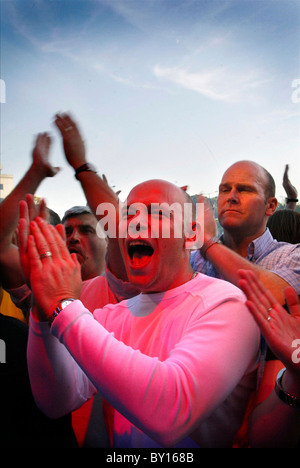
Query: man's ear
[(271, 206), (194, 236)]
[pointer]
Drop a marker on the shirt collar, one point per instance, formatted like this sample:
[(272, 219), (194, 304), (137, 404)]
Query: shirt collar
[(258, 246)]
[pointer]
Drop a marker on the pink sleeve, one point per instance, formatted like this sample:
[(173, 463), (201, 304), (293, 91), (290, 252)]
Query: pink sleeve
[(55, 377), (178, 393)]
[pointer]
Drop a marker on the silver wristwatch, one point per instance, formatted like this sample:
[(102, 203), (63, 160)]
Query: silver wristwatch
[(62, 305), (284, 396)]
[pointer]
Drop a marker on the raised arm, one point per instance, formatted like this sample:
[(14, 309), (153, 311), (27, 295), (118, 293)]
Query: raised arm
[(290, 190), (96, 189), (228, 263), (40, 168)]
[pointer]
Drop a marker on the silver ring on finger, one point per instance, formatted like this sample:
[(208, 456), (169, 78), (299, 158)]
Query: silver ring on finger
[(45, 255)]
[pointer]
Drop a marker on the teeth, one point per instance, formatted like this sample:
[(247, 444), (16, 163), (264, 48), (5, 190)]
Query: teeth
[(137, 242)]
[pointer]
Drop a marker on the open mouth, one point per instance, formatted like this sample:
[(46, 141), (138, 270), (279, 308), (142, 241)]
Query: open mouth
[(80, 255), (140, 252), (73, 250)]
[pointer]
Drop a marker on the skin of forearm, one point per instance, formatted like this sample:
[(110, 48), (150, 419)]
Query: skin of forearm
[(97, 191), (10, 267), (227, 263), (273, 424), (290, 205), (9, 208)]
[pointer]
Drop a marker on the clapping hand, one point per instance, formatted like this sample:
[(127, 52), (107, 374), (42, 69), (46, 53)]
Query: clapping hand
[(72, 141), (280, 328), (51, 271), (40, 155)]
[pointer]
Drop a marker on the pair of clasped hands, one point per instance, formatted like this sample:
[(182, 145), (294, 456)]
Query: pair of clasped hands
[(51, 272)]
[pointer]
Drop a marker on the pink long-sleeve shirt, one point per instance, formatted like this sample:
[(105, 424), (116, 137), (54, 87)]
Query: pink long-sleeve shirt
[(177, 367)]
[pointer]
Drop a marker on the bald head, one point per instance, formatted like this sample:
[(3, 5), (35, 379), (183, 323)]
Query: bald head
[(162, 187), (162, 191)]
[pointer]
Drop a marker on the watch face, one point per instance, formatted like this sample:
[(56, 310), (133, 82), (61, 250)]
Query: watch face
[(65, 303)]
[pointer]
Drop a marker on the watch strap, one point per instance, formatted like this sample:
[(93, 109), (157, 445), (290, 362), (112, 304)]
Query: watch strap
[(85, 167), (58, 310), (291, 200), (207, 244), (284, 396)]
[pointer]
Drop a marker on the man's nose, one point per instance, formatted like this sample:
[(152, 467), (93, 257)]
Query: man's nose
[(233, 196), (137, 224), (74, 237)]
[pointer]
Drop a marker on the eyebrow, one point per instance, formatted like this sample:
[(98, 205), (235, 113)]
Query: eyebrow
[(137, 208), (150, 208), (79, 226), (238, 186)]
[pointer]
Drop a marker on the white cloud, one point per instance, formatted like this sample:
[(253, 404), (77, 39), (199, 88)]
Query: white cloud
[(219, 84)]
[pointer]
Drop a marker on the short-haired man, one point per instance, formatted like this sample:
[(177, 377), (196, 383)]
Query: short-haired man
[(246, 200), (83, 239), (176, 364)]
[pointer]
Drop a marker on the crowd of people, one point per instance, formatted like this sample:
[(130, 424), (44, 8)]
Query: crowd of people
[(137, 341)]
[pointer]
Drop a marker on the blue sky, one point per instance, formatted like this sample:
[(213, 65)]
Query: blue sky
[(167, 89)]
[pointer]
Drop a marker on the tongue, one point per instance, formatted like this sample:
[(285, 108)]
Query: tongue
[(140, 256)]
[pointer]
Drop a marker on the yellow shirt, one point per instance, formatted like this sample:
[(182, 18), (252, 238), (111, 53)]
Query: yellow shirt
[(7, 307)]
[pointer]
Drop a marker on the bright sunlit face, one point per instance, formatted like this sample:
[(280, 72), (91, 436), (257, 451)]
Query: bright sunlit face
[(242, 203), (154, 263), (82, 239)]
